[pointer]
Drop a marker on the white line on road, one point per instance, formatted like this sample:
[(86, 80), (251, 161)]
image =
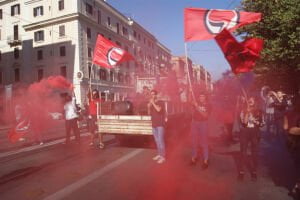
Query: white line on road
[(30, 148), (84, 181)]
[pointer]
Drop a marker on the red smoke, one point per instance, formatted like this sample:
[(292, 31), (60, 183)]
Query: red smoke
[(38, 100)]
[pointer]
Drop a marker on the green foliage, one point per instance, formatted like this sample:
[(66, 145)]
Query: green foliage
[(280, 30)]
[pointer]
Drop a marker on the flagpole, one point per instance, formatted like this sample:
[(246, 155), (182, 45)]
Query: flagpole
[(90, 81), (188, 71)]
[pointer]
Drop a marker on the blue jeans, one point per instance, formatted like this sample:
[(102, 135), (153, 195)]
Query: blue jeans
[(158, 133), (199, 136)]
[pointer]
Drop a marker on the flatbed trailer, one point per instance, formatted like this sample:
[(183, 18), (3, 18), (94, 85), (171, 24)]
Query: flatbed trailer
[(124, 124)]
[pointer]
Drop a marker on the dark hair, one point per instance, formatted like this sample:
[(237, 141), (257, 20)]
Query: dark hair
[(68, 98), (95, 96), (154, 91)]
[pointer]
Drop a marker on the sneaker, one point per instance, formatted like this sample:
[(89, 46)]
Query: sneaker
[(240, 176), (101, 145), (156, 157), (161, 160), (41, 143), (193, 161), (253, 176), (91, 144), (204, 165)]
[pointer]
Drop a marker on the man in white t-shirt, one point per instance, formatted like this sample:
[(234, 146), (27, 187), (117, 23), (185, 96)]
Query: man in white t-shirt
[(71, 117)]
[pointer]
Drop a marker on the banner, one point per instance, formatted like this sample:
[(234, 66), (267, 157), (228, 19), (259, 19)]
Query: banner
[(205, 24), (108, 54)]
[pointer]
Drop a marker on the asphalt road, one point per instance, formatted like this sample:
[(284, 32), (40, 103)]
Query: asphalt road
[(128, 172)]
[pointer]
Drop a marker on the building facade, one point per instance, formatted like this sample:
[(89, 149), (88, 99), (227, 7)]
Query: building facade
[(41, 38)]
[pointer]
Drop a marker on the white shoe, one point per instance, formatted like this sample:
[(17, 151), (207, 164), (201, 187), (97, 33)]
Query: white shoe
[(156, 157), (161, 160), (41, 143)]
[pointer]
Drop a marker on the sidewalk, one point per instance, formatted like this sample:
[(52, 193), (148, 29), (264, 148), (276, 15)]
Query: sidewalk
[(57, 132)]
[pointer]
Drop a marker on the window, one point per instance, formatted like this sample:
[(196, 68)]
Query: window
[(62, 51), (39, 36), (16, 32), (40, 74), (99, 17), (108, 21), (125, 31), (63, 71), (15, 10), (40, 54), (103, 74), (16, 53), (89, 52), (38, 11), (111, 76), (1, 14), (89, 69), (89, 8), (61, 5), (62, 31), (118, 43), (120, 77), (88, 33), (17, 75), (118, 28), (134, 34), (127, 79)]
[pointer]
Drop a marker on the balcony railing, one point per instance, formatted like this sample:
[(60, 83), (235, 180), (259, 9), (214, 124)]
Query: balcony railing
[(14, 40)]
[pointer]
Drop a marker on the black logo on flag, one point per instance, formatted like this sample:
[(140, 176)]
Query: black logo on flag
[(215, 25)]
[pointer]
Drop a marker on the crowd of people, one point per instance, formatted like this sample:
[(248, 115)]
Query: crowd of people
[(277, 112)]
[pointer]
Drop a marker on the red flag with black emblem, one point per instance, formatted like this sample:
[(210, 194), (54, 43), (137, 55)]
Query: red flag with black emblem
[(108, 54), (204, 24), (241, 56)]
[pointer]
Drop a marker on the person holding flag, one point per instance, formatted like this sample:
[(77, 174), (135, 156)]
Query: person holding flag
[(251, 118), (94, 104), (199, 129)]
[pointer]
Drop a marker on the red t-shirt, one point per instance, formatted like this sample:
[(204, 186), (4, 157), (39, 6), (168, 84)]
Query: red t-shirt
[(93, 106)]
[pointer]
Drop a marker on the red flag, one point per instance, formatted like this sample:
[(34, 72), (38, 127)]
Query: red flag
[(16, 133), (204, 24), (241, 56), (108, 54)]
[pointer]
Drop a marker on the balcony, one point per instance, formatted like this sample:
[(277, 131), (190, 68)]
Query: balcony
[(14, 40)]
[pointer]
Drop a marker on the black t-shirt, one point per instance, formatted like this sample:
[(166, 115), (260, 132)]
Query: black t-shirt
[(197, 115), (280, 106), (158, 118)]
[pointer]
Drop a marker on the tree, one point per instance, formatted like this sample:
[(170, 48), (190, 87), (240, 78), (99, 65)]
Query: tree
[(280, 30)]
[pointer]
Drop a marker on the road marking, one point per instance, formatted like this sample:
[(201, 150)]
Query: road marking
[(84, 181), (30, 148)]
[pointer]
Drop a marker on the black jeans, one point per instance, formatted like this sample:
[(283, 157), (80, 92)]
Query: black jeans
[(249, 136), (72, 125)]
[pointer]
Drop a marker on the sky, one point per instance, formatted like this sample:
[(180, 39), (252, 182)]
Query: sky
[(164, 20)]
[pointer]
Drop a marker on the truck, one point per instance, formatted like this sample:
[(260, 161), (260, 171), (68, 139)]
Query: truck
[(124, 119)]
